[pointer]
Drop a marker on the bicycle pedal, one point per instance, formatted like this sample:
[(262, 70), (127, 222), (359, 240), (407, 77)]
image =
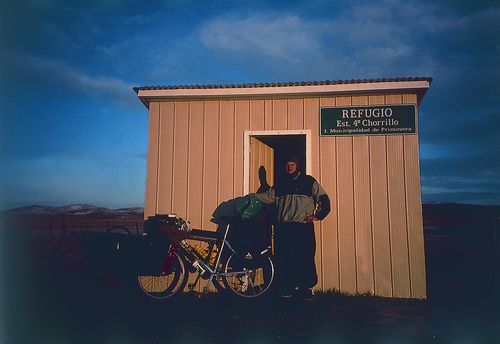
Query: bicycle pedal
[(191, 286)]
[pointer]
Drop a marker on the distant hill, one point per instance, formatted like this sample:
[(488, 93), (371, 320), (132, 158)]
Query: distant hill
[(454, 212), (74, 209), (459, 213), (442, 216), (46, 219)]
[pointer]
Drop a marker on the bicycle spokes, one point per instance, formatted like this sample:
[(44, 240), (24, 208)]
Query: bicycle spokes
[(250, 281)]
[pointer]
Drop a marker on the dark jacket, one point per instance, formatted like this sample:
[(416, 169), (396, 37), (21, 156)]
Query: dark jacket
[(296, 197)]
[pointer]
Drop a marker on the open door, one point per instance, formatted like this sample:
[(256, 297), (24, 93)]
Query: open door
[(261, 165), (265, 152)]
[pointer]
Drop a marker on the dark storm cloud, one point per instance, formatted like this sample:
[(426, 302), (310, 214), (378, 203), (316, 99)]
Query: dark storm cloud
[(471, 178), (468, 129), (63, 75), (480, 167)]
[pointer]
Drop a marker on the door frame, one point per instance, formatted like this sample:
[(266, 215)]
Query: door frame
[(246, 150)]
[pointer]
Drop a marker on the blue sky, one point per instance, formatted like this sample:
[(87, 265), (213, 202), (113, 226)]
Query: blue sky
[(73, 131)]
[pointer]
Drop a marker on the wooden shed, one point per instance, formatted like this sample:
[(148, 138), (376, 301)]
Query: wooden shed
[(359, 138)]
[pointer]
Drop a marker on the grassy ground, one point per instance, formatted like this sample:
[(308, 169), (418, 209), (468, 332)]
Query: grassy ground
[(50, 296)]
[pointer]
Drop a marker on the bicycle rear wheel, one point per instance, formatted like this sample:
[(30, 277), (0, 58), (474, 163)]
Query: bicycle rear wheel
[(248, 277), (165, 285)]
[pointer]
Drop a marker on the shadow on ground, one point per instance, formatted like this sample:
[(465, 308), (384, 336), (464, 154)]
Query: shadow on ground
[(49, 295)]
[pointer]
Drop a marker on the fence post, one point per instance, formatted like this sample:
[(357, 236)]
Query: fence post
[(496, 253), (63, 224), (495, 239)]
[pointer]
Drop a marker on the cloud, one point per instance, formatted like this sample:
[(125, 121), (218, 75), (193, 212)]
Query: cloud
[(281, 37), (486, 167), (114, 89), (361, 42), (471, 178), (472, 129), (374, 39)]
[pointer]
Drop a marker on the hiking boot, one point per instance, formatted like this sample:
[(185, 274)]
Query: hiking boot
[(306, 294), (286, 294)]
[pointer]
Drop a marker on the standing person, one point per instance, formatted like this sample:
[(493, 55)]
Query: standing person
[(299, 200)]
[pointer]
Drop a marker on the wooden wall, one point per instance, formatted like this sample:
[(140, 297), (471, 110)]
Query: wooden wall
[(372, 242), (261, 155)]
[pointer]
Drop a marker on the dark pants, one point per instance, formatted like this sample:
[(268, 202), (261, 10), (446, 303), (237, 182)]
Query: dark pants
[(295, 247)]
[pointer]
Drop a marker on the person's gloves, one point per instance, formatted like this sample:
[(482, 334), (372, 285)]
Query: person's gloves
[(310, 218)]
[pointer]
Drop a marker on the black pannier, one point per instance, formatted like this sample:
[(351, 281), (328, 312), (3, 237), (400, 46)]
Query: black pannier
[(159, 232), (250, 236), (250, 227), (152, 248)]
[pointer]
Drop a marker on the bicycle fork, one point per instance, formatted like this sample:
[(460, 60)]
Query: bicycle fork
[(170, 257), (217, 261)]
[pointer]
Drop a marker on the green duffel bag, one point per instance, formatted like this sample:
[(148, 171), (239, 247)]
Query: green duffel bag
[(248, 207)]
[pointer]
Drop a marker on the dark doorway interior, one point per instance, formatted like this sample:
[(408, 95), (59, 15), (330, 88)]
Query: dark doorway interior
[(284, 145)]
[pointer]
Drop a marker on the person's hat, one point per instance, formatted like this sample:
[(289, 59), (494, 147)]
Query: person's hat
[(291, 158)]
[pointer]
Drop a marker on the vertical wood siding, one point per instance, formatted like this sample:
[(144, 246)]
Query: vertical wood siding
[(380, 211), (166, 156), (226, 151), (372, 242), (397, 211), (195, 164), (181, 159), (257, 114), (150, 204), (362, 209), (241, 123), (209, 187), (280, 118), (345, 209), (305, 117), (414, 211), (328, 179)]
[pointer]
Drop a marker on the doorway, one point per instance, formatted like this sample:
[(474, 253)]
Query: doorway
[(264, 152)]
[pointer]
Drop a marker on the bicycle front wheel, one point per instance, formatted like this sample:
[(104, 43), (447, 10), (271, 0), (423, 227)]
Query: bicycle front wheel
[(248, 277), (168, 284)]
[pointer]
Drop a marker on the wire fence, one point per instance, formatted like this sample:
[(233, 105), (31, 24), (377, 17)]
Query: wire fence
[(63, 224)]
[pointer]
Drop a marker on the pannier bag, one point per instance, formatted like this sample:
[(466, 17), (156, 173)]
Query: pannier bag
[(169, 225), (152, 248)]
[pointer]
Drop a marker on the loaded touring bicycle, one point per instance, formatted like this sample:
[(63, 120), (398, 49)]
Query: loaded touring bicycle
[(227, 263)]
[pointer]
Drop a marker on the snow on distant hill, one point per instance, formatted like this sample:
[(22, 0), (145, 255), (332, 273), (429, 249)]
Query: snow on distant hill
[(74, 209), (137, 210), (81, 209)]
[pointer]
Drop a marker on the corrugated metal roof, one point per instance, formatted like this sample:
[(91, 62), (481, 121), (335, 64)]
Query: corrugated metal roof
[(285, 84)]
